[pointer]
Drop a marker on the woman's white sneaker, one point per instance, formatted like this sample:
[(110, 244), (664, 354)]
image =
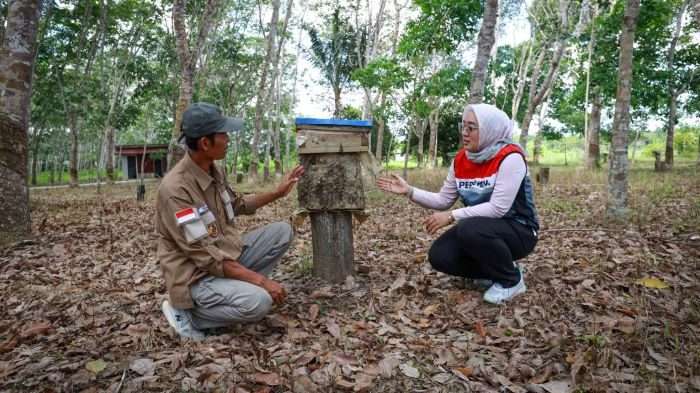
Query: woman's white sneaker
[(497, 294)]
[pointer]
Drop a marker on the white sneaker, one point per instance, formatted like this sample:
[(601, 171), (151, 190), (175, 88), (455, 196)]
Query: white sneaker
[(180, 321), (497, 294)]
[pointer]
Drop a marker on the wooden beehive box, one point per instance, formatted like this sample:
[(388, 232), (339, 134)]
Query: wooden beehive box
[(330, 151)]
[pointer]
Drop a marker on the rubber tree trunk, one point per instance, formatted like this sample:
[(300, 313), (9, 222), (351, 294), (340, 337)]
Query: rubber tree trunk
[(487, 37), (379, 153), (35, 155), (276, 139), (405, 154), (419, 148), (671, 128), (109, 153), (234, 153), (433, 122), (331, 234), (542, 90), (74, 150), (188, 57), (16, 65), (537, 149), (261, 100), (673, 92), (520, 87), (593, 134), (619, 163)]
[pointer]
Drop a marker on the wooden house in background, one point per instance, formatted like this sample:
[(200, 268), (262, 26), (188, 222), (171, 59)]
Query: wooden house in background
[(154, 159)]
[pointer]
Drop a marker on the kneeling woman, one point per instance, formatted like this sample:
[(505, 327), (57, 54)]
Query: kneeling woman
[(499, 223)]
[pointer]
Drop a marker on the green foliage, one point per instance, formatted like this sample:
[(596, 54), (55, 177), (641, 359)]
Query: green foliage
[(448, 135), (335, 55), (351, 113), (383, 74), (441, 26), (685, 142)]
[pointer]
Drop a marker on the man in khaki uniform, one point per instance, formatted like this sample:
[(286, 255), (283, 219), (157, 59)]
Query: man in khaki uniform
[(215, 277)]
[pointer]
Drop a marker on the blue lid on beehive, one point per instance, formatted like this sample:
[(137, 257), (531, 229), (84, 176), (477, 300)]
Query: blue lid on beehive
[(308, 121)]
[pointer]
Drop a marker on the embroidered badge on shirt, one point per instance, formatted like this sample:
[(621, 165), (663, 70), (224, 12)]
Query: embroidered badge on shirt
[(213, 230)]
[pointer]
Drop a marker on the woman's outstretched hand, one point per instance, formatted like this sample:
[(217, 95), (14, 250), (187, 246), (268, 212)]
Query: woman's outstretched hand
[(393, 184)]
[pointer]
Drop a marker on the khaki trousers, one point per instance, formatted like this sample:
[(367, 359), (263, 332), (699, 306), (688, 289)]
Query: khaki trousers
[(221, 302)]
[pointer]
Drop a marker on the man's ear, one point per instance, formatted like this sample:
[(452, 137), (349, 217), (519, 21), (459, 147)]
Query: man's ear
[(204, 144)]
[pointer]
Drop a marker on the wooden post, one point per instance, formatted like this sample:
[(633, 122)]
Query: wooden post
[(331, 234), (543, 175), (331, 189)]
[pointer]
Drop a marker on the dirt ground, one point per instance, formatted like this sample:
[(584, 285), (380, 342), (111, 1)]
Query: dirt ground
[(609, 307)]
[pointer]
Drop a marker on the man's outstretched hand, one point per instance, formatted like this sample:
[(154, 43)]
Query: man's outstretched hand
[(289, 180)]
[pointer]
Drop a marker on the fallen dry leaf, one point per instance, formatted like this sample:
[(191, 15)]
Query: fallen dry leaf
[(144, 366), (652, 282), (409, 371), (36, 329), (270, 379), (96, 366), (480, 329), (313, 311), (333, 329), (466, 372)]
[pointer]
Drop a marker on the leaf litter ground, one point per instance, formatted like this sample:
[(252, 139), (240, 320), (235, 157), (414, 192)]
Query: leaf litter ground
[(608, 307)]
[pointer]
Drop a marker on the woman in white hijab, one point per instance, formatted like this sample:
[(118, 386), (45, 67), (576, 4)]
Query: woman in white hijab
[(498, 224)]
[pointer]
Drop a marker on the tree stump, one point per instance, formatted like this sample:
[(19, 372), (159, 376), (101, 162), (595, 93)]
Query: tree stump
[(140, 192), (331, 189), (331, 234), (542, 175), (659, 165)]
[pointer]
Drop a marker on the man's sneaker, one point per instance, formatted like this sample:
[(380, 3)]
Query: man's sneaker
[(180, 321), (497, 294)]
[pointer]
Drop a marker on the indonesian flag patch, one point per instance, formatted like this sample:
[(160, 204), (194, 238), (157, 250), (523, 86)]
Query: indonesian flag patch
[(186, 215)]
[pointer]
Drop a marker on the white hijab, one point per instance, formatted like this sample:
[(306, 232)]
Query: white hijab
[(495, 131)]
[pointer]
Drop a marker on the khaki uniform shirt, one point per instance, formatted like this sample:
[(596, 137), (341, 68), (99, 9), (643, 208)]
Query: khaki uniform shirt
[(186, 189)]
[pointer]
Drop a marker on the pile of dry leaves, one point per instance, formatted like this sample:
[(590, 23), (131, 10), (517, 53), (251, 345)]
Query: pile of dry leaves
[(608, 308)]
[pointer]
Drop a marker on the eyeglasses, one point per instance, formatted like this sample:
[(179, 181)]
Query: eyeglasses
[(469, 129)]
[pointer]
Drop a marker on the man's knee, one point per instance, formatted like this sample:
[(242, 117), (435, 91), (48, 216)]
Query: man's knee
[(283, 232), (256, 306)]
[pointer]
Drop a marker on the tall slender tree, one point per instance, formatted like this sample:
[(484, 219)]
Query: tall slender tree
[(17, 56), (487, 37), (619, 164), (674, 88), (188, 55), (262, 97), (561, 35)]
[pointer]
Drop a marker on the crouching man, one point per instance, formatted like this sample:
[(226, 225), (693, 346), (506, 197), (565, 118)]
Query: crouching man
[(214, 276)]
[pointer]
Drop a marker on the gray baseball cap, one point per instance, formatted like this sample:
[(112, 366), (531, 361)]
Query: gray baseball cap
[(202, 119)]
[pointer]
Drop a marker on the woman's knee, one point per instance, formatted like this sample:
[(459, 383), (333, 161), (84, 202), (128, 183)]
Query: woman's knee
[(470, 231), (438, 256)]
